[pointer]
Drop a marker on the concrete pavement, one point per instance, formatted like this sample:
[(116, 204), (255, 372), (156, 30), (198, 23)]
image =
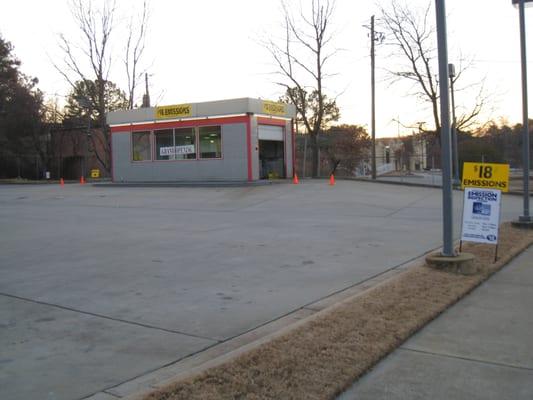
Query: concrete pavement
[(481, 348), (101, 288)]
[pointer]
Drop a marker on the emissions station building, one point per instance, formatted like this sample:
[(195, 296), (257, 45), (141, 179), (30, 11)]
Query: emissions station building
[(229, 140)]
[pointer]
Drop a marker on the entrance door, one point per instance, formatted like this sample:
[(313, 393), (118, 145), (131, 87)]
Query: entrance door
[(271, 158), (271, 151)]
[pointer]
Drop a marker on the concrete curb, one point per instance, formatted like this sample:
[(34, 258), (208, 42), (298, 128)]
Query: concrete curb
[(207, 184), (511, 192)]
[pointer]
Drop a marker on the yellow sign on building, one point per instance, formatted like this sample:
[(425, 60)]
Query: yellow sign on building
[(486, 175), (273, 108), (95, 173), (174, 111)]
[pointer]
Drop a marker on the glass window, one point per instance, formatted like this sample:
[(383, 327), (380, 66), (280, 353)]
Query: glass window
[(184, 140), (164, 144), (141, 149), (210, 142)]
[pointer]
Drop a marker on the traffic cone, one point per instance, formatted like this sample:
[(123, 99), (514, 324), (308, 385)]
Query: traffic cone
[(295, 180), (82, 180), (61, 182), (332, 180)]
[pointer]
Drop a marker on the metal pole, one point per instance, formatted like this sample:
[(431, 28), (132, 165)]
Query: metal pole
[(447, 209), (87, 139), (319, 156), (525, 131), (373, 95), (455, 149), (305, 157)]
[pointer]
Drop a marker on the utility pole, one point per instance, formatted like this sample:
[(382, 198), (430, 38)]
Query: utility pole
[(146, 96), (374, 37), (373, 95)]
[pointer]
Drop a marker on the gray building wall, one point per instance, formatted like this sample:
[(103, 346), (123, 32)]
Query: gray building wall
[(255, 149), (288, 149), (232, 166)]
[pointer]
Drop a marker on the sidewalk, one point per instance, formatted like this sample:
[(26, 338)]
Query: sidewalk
[(481, 348)]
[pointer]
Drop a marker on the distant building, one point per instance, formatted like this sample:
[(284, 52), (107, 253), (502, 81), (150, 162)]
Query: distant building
[(73, 150), (406, 153), (59, 151)]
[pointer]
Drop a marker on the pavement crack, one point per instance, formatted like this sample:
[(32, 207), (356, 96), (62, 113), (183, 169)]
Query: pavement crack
[(111, 394), (124, 321), (475, 360), (410, 204), (97, 393)]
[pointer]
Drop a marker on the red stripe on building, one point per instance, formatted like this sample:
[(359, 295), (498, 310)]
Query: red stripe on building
[(271, 121), (149, 126)]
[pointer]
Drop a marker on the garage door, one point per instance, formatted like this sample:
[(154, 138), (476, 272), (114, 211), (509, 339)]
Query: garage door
[(269, 132)]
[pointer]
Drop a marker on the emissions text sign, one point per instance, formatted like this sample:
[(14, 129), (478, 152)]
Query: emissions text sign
[(481, 215), (485, 175), (273, 108), (175, 111)]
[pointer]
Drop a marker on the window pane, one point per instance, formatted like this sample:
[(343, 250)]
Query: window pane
[(141, 149), (185, 144), (164, 144), (210, 142)]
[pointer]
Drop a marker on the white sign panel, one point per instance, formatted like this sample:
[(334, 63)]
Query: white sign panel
[(170, 151), (270, 132), (481, 215)]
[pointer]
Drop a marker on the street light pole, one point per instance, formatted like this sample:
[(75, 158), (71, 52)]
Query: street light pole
[(455, 149), (447, 206), (525, 129), (87, 138)]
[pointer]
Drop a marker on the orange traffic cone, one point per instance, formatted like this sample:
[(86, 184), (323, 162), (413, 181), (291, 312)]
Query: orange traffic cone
[(82, 180), (332, 180), (62, 182), (295, 180)]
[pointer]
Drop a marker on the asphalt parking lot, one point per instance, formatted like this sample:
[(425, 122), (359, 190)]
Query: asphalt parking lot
[(102, 285)]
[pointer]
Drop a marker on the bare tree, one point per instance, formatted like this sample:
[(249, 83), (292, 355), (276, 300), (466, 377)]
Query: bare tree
[(135, 46), (301, 61), (410, 33), (96, 27), (89, 62), (467, 118)]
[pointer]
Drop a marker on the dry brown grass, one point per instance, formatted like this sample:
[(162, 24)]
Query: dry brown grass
[(322, 357)]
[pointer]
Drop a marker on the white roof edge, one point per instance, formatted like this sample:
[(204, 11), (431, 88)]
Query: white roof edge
[(214, 108)]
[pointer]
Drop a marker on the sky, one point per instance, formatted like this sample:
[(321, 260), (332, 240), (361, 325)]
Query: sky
[(205, 50)]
